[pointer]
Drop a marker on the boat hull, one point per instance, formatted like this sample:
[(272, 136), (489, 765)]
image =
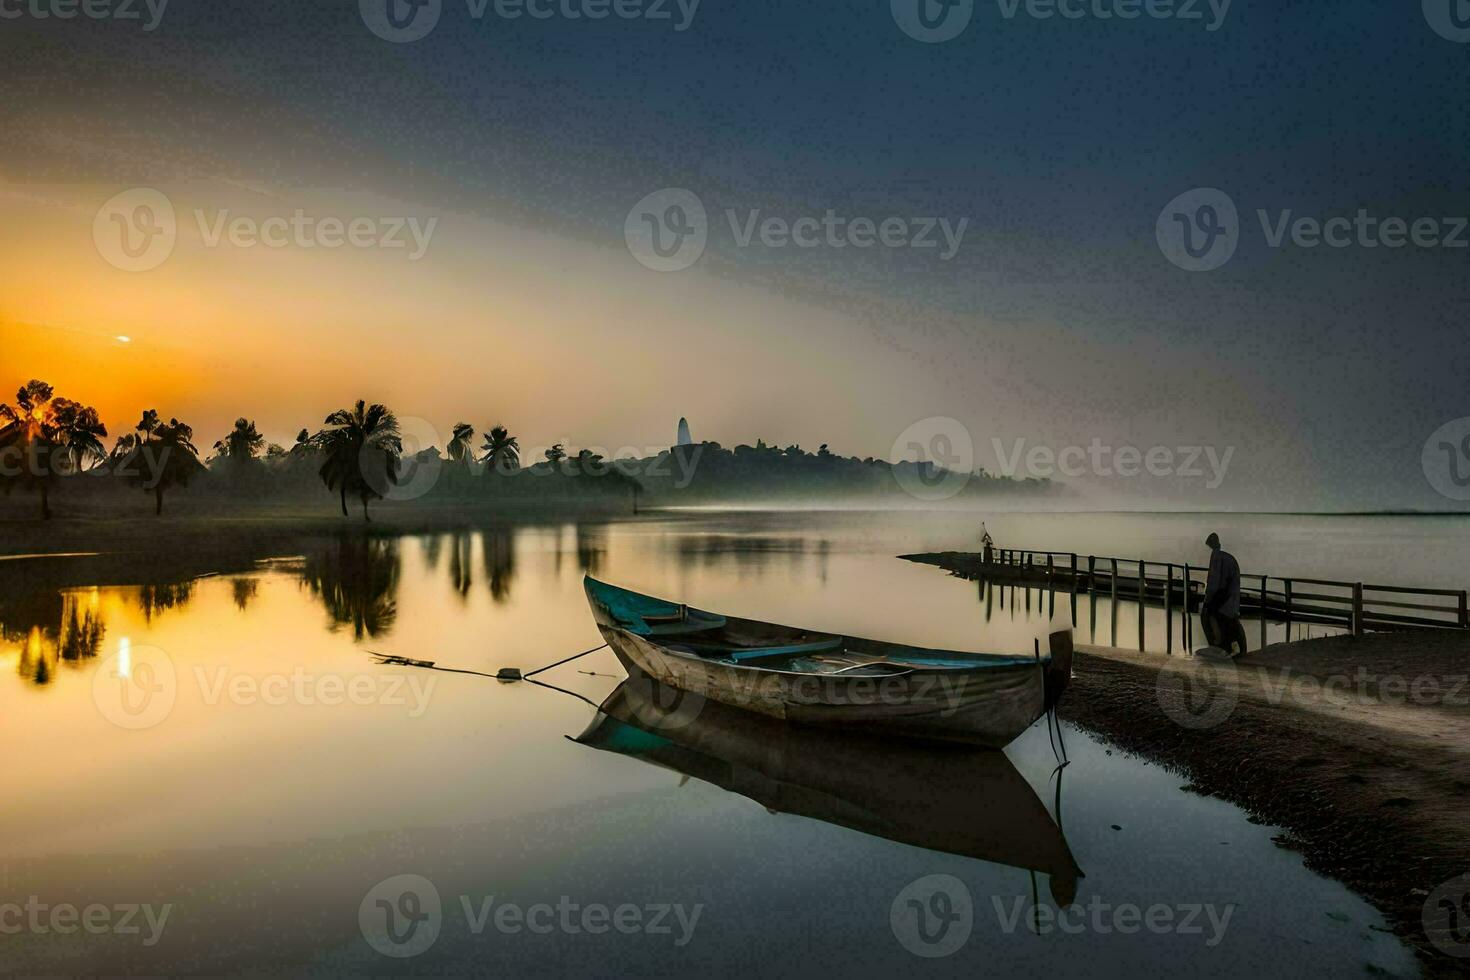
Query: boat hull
[(988, 706)]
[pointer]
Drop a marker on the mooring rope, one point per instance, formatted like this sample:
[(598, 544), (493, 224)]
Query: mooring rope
[(564, 661)]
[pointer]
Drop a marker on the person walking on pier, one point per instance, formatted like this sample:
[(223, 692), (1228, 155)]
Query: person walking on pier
[(987, 545), (1220, 616)]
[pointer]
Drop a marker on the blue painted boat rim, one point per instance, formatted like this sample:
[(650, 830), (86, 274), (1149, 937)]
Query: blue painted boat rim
[(927, 659)]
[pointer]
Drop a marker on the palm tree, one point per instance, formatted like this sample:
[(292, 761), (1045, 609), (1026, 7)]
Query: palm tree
[(356, 442), (242, 444), (172, 459), (502, 450), (148, 423), (79, 431), (459, 447), (53, 435), (556, 454)]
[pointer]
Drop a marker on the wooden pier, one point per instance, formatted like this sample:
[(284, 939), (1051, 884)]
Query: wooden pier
[(1354, 607)]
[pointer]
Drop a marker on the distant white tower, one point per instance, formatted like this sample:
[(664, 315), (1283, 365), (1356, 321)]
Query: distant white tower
[(685, 439)]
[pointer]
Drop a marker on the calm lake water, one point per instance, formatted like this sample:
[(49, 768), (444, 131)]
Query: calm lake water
[(227, 748)]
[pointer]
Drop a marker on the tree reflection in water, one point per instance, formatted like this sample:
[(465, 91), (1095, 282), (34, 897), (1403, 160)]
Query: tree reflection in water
[(498, 545), (158, 597), (51, 627), (356, 579)]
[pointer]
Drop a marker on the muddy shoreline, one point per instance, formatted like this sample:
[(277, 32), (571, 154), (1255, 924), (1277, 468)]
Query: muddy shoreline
[(1370, 785)]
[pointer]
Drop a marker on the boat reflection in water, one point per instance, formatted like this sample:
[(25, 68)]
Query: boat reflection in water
[(961, 800)]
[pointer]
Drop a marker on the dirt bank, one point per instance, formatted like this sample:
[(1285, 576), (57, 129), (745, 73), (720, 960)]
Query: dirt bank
[(1358, 748)]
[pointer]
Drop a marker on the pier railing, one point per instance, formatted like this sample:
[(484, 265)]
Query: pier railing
[(1355, 607)]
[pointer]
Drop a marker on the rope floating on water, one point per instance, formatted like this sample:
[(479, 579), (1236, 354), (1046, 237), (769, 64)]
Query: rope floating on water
[(566, 660), (504, 674)]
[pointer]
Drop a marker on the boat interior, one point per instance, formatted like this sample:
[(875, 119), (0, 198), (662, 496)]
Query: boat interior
[(691, 632)]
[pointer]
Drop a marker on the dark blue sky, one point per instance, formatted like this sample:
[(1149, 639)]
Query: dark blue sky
[(1059, 140)]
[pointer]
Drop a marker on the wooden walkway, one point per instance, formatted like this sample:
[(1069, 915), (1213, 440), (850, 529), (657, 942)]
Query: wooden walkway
[(1355, 607)]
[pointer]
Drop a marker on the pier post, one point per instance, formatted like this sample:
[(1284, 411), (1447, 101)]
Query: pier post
[(1113, 610), (1188, 623), (1357, 609), (1091, 575), (1169, 609), (1142, 601), (1464, 610), (1287, 584), (1263, 611), (1051, 586)]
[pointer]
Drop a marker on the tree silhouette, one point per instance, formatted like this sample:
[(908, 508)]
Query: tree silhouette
[(360, 441), (556, 454), (242, 444), (52, 436), (502, 450), (460, 446), (162, 458)]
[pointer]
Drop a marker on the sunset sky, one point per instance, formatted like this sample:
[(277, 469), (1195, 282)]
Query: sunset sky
[(1058, 320)]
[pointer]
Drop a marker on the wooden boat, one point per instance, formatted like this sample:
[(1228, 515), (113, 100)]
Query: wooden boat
[(815, 678), (951, 798)]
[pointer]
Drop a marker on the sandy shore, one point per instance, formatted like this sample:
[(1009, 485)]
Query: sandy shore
[(1358, 748)]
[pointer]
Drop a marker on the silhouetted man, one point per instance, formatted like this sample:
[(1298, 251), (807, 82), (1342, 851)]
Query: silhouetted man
[(1221, 614), (987, 545)]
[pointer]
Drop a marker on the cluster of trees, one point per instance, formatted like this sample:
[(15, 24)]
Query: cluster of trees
[(45, 438), (359, 453)]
